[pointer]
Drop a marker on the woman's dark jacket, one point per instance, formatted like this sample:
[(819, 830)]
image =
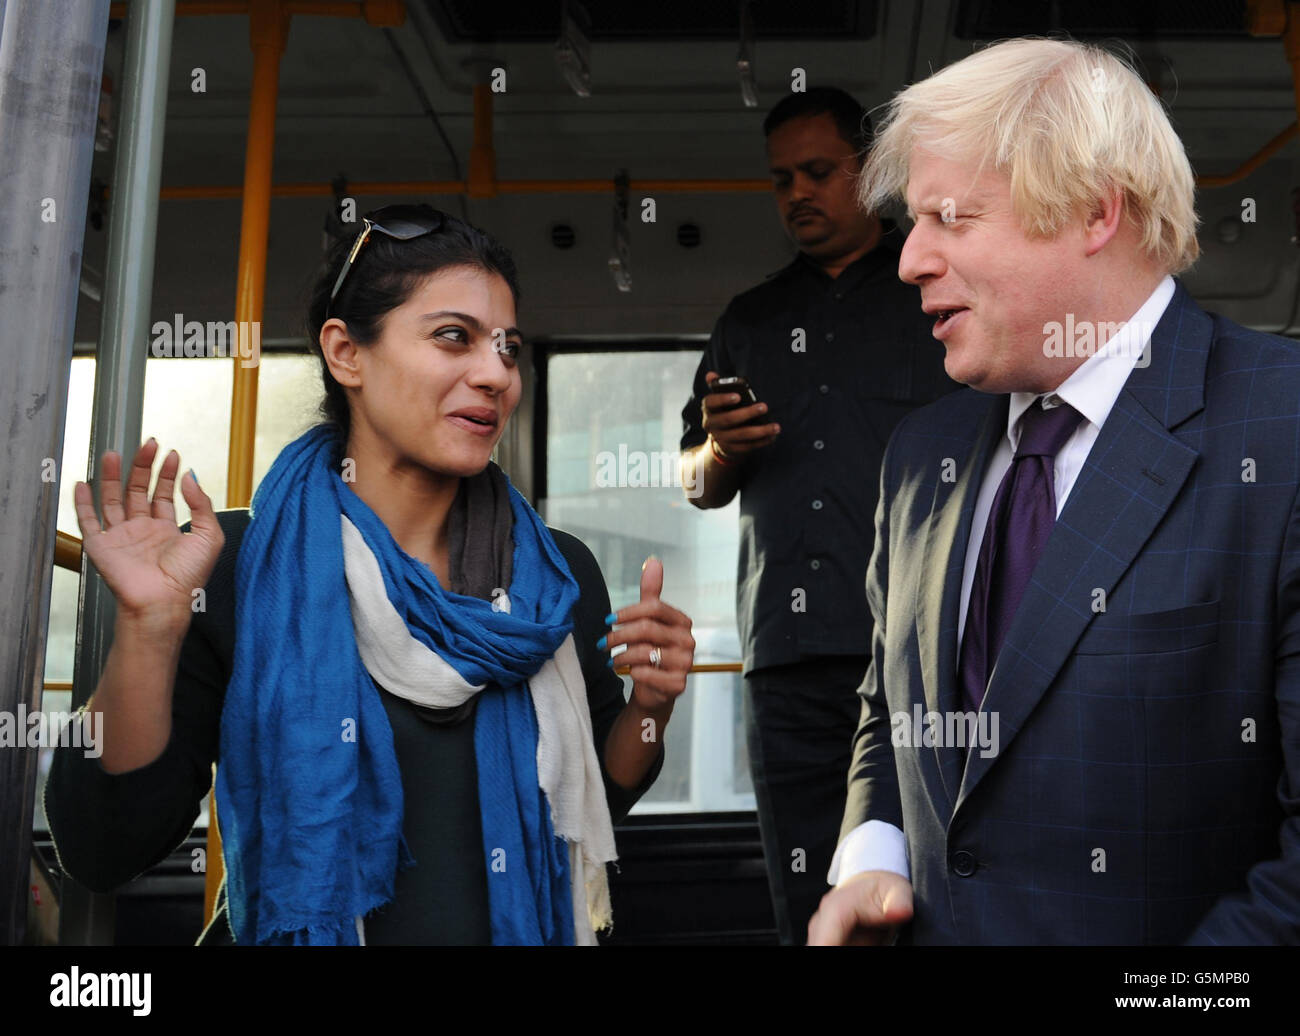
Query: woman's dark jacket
[(108, 828)]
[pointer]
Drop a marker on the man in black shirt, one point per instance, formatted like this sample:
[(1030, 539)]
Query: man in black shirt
[(837, 351)]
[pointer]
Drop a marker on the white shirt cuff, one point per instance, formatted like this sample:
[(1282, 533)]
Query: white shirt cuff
[(874, 846)]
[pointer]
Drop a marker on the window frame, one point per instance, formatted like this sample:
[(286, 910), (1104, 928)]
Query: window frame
[(542, 349)]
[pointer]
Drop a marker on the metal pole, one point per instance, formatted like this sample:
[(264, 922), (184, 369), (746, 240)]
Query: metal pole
[(51, 63), (87, 918), (268, 30)]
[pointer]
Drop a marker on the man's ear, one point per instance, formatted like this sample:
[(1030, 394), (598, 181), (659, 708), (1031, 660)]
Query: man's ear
[(1103, 221), (341, 353)]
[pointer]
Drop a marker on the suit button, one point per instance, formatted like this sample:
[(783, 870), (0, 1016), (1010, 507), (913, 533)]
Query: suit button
[(963, 863)]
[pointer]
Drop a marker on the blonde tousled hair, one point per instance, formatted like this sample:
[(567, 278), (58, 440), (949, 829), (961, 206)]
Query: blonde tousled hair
[(1067, 122)]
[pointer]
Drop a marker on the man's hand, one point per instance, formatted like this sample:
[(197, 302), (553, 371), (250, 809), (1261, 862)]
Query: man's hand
[(866, 910), (727, 428)]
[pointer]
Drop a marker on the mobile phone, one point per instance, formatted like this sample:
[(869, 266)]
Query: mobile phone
[(738, 385)]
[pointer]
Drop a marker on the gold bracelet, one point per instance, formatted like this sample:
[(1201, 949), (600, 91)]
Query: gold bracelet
[(717, 455)]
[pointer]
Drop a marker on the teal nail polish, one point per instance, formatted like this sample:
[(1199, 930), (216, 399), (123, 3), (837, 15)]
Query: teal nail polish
[(600, 644), (195, 477), (609, 619), (610, 663)]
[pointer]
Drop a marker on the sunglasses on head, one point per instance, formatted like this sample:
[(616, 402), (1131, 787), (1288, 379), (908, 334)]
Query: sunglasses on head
[(400, 222)]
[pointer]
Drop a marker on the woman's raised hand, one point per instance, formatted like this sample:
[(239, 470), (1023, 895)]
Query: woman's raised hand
[(660, 648), (151, 567)]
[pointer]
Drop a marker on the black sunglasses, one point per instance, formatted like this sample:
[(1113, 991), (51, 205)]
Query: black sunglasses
[(400, 222)]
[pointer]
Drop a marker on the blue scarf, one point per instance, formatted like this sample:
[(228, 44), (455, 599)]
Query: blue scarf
[(308, 786)]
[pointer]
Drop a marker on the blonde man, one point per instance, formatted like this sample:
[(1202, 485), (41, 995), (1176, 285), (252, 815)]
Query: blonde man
[(1081, 720)]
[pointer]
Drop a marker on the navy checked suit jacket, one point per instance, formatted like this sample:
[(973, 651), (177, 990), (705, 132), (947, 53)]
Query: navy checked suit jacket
[(1147, 783)]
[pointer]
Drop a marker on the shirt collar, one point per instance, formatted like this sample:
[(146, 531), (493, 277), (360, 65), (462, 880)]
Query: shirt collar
[(887, 249), (1096, 383)]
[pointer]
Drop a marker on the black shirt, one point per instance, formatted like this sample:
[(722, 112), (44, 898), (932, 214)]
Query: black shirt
[(108, 828), (839, 361)]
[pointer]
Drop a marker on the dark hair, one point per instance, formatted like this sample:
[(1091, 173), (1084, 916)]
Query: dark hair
[(850, 117), (382, 278)]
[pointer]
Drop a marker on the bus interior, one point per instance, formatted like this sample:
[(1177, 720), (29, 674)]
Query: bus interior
[(617, 150)]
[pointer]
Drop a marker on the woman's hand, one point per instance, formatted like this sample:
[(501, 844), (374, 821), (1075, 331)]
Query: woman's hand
[(151, 567), (651, 626)]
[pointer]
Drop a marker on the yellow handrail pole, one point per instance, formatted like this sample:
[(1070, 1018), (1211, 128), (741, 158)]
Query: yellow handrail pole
[(1253, 162), (67, 551), (481, 182), (268, 29)]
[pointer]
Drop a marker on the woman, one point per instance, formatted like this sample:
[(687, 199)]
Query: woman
[(398, 668)]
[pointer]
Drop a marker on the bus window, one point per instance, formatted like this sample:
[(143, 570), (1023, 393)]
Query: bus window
[(186, 408), (611, 478)]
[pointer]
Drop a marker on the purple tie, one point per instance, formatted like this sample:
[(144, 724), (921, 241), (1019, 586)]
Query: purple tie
[(1020, 520)]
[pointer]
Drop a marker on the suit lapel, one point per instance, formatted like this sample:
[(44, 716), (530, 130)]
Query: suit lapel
[(1131, 478), (939, 586)]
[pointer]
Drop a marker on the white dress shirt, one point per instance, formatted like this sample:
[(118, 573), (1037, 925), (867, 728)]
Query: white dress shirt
[(1092, 390)]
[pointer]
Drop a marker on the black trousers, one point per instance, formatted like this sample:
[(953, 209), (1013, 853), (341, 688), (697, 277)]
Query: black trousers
[(799, 722)]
